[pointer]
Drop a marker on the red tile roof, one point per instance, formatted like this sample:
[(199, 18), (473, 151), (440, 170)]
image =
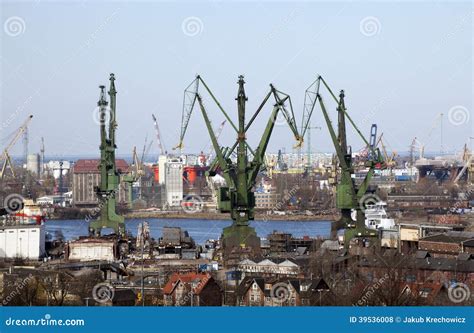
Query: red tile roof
[(201, 279), (92, 166)]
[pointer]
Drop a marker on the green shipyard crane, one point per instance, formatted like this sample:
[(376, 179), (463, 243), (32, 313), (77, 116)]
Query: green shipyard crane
[(109, 177), (349, 196), (237, 198)]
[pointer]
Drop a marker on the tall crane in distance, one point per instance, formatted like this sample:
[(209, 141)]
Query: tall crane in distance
[(42, 158), (5, 158), (158, 136), (218, 134), (309, 151)]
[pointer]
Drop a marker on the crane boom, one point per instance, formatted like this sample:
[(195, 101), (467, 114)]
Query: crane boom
[(218, 134), (158, 136), (5, 155)]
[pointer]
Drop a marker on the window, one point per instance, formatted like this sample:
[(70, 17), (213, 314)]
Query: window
[(411, 278)]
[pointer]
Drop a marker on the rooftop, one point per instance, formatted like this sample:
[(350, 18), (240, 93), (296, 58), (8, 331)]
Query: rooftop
[(92, 166)]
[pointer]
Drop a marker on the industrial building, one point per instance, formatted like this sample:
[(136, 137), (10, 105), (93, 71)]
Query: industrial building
[(22, 241), (89, 249), (267, 200), (86, 177), (171, 175)]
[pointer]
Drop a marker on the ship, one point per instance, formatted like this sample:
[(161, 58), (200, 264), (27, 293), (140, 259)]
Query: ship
[(376, 216), (30, 214)]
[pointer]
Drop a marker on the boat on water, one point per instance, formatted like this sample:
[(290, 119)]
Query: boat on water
[(31, 213), (376, 216)]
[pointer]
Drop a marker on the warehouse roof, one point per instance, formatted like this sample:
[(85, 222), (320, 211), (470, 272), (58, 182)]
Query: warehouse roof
[(92, 166), (450, 237)]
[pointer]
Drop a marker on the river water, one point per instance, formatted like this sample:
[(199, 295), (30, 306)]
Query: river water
[(200, 230)]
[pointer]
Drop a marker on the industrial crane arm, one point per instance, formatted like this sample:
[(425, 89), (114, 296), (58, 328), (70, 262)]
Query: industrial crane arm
[(5, 155), (189, 101), (221, 160), (259, 157), (158, 136)]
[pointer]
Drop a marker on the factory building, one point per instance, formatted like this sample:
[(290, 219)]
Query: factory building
[(86, 176), (267, 200), (171, 175), (22, 241)]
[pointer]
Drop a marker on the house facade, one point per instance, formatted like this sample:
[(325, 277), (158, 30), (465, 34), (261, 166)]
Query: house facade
[(192, 289)]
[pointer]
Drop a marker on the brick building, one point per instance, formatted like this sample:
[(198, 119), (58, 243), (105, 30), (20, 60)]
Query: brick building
[(86, 176)]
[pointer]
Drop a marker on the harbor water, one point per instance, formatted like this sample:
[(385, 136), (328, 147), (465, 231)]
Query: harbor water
[(199, 230)]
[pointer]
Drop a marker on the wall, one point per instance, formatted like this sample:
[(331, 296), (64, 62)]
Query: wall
[(27, 242)]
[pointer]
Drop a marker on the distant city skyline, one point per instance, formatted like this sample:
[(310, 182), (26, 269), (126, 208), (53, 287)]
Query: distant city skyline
[(397, 71)]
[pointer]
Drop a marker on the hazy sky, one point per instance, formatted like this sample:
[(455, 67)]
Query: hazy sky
[(401, 65)]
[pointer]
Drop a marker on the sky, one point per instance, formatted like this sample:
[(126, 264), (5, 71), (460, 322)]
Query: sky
[(401, 65)]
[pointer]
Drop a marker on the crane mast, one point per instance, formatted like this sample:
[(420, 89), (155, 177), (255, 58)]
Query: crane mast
[(109, 177)]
